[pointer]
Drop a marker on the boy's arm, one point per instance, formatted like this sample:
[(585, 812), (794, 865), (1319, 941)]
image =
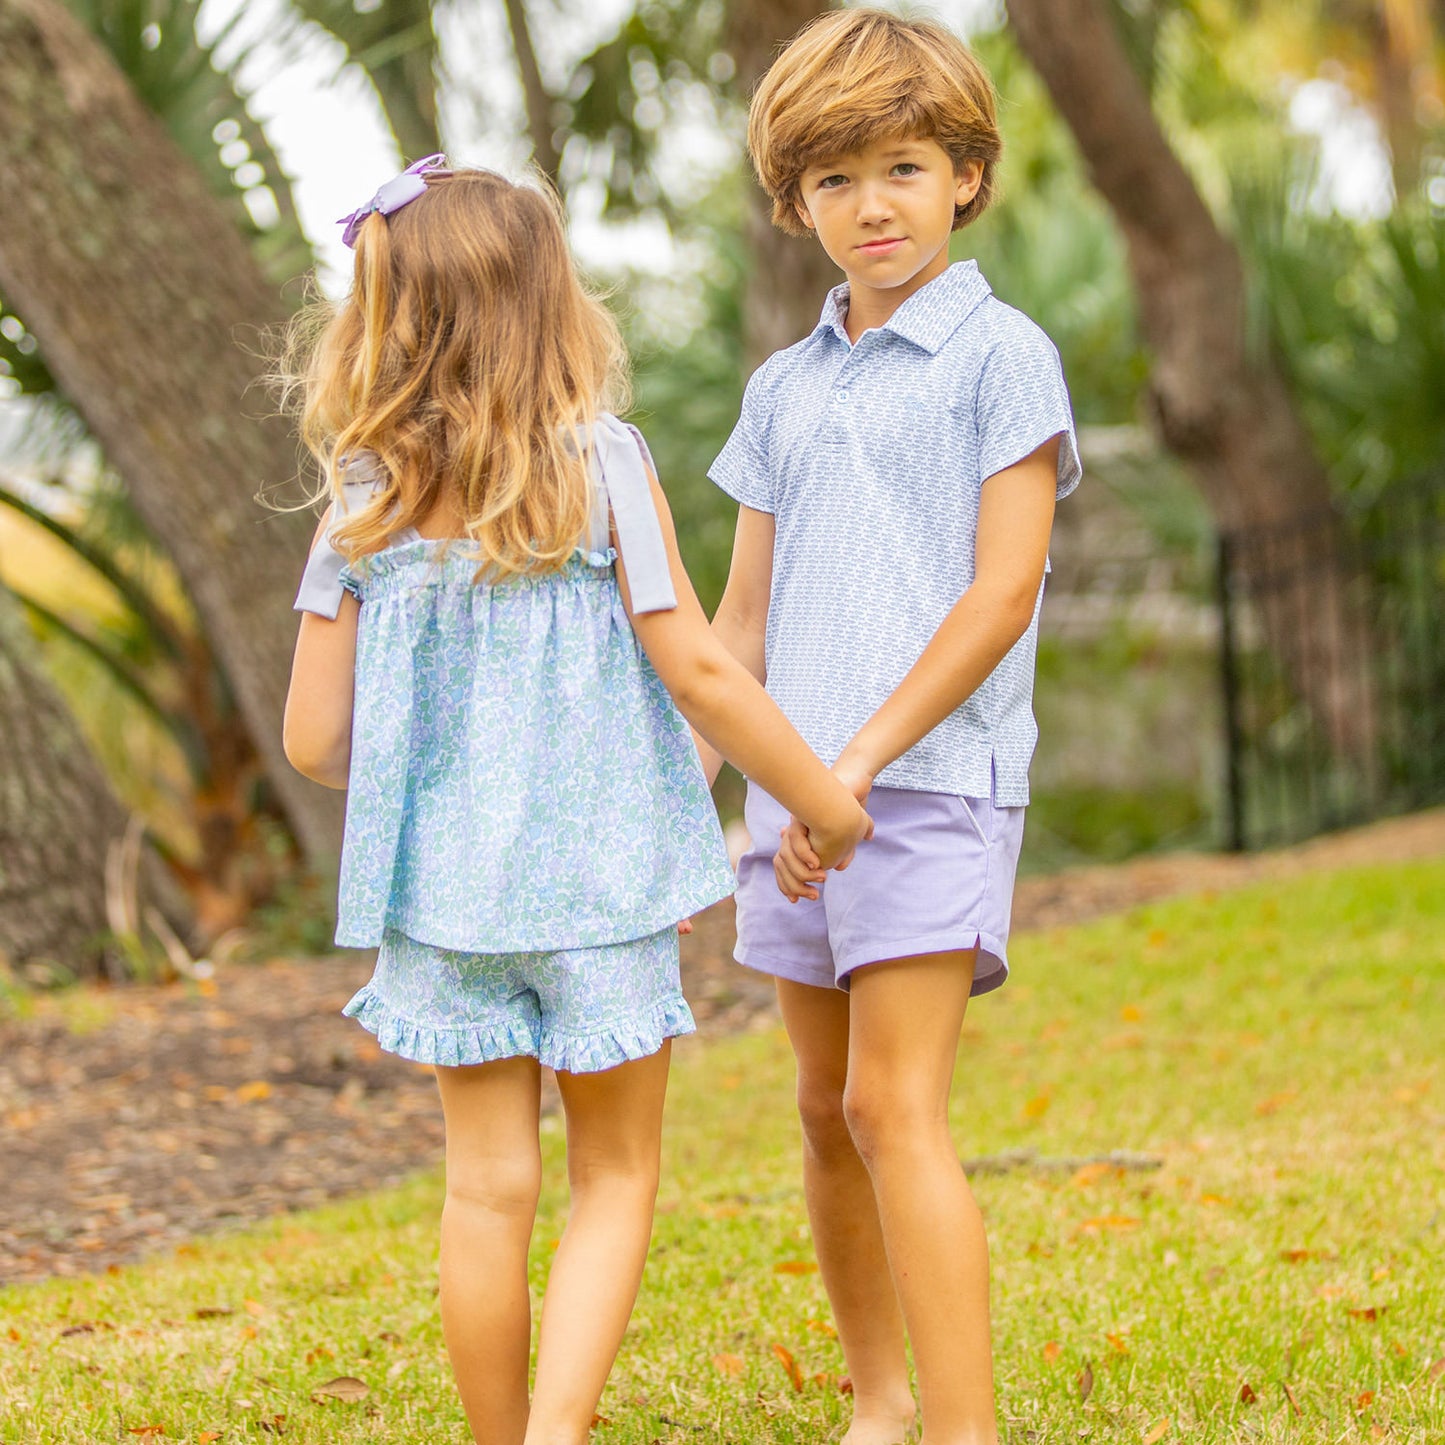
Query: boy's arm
[(741, 621), (1015, 516), (317, 729)]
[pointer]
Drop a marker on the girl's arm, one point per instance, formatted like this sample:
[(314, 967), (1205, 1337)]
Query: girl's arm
[(1015, 516), (726, 705), (741, 621), (317, 730)]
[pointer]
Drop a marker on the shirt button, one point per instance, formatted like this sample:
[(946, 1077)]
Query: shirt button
[(842, 396)]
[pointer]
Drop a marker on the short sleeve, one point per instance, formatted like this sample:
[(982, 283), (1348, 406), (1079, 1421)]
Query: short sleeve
[(322, 582), (1022, 402), (741, 468)]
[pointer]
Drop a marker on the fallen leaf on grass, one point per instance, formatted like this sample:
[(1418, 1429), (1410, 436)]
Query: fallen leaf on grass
[(1109, 1221), (1091, 1174), (1131, 1013), (1085, 1382), (321, 1352), (1247, 1395), (600, 1420), (1369, 1312), (1159, 1431), (823, 1328), (1038, 1106), (728, 1364), (845, 1385), (250, 1093), (1275, 1102), (1437, 1369), (212, 1312), (1119, 1343), (1293, 1403), (1052, 1352), (254, 1308), (1364, 1399), (276, 1425), (789, 1364), (795, 1266), (14, 1335), (343, 1387), (208, 1437), (1298, 1256)]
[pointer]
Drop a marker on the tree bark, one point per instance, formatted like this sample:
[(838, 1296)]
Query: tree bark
[(790, 275), (58, 818), (1218, 405), (137, 289)]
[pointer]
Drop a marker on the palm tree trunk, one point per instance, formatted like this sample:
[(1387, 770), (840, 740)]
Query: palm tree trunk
[(1219, 406), (139, 292), (58, 818)]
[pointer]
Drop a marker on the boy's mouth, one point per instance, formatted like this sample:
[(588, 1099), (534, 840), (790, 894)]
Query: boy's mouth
[(880, 247)]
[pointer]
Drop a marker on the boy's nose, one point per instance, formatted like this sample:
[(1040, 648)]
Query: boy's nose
[(874, 205)]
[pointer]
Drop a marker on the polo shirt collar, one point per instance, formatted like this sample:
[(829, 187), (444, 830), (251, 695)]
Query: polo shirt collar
[(929, 317)]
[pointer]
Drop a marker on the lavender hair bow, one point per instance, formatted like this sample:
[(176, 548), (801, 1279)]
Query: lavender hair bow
[(397, 192)]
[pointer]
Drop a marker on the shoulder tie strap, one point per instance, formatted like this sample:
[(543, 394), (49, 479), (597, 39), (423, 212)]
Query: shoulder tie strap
[(321, 588), (623, 460)]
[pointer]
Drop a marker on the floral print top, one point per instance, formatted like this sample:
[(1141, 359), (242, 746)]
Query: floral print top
[(520, 778)]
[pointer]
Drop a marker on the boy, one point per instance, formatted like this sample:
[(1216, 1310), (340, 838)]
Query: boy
[(897, 472)]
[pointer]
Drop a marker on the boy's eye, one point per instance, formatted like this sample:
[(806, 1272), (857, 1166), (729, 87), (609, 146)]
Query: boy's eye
[(829, 182), (905, 168)]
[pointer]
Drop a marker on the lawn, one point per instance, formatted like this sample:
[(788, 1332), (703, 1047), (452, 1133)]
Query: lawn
[(1273, 1056)]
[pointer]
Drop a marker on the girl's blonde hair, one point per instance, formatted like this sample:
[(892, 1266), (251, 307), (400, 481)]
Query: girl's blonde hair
[(852, 77), (470, 359)]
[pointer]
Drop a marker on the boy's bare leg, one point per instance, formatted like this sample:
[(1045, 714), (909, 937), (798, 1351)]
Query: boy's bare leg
[(494, 1173), (905, 1019), (614, 1142), (844, 1217)]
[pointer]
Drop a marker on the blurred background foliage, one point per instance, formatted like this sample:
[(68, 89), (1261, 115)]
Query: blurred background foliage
[(1256, 97)]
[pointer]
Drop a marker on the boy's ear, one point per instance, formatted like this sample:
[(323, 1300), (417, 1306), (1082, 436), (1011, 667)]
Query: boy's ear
[(968, 177), (803, 215)]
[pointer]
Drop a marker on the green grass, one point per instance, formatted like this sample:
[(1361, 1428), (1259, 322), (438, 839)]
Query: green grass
[(1279, 1050)]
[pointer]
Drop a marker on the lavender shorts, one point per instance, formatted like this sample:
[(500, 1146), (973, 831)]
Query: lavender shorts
[(937, 875)]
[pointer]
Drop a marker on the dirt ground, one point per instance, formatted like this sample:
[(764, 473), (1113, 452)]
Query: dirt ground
[(134, 1118)]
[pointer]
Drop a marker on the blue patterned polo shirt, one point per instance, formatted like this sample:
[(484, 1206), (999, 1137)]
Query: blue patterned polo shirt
[(871, 458)]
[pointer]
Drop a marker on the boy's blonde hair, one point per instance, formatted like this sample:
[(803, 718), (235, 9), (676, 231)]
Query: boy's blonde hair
[(467, 357), (852, 77)]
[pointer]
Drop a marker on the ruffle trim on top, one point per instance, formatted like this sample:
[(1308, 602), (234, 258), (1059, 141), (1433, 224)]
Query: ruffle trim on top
[(441, 561), (629, 1039)]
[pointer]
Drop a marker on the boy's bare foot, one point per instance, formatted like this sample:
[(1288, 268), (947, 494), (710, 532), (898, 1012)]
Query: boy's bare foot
[(881, 1424)]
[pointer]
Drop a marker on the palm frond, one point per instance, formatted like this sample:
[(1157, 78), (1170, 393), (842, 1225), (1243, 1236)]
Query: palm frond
[(161, 628)]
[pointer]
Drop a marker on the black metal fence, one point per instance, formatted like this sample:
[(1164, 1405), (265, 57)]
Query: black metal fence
[(1332, 664)]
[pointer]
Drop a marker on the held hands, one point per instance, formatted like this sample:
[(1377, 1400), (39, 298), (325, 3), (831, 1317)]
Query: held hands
[(805, 855)]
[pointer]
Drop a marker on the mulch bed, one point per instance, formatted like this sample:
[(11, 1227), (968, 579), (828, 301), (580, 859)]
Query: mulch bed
[(185, 1108)]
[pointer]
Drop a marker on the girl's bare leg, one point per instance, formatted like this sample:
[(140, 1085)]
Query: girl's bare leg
[(905, 1018), (614, 1141), (844, 1217), (494, 1173)]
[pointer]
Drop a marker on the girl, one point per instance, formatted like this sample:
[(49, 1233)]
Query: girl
[(897, 471), (527, 819)]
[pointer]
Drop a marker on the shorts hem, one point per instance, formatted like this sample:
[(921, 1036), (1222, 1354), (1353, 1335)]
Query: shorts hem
[(782, 968), (991, 952), (586, 1052)]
